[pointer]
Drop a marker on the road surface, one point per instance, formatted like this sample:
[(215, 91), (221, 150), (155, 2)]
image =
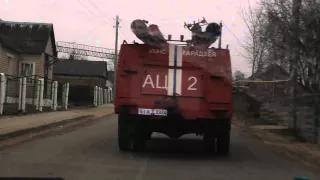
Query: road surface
[(91, 153)]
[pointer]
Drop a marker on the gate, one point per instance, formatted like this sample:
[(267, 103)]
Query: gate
[(12, 92)]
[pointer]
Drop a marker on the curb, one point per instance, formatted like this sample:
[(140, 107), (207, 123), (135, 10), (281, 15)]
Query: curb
[(48, 126)]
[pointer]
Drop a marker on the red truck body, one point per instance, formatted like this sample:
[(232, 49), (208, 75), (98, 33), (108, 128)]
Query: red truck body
[(175, 90)]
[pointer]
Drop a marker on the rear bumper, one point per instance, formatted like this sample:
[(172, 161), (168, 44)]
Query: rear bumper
[(175, 128), (190, 109)]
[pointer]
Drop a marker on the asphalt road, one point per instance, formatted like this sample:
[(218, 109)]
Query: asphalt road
[(91, 153)]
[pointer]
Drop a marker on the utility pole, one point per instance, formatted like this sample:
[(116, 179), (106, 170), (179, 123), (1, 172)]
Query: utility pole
[(115, 58)]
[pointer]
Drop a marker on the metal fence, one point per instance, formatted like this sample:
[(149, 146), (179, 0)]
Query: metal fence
[(12, 92), (47, 90), (32, 92)]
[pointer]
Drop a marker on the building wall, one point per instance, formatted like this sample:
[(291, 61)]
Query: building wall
[(2, 62), (39, 60), (82, 81), (48, 50), (35, 58), (9, 66), (12, 67)]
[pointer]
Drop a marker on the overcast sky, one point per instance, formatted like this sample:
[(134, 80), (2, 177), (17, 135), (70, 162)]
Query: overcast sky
[(91, 21)]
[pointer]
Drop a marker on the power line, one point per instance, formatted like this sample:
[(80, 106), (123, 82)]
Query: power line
[(238, 40), (93, 13), (99, 10), (95, 6)]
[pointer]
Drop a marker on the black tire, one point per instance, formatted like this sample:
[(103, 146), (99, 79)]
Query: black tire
[(139, 141), (209, 143), (124, 133), (149, 135), (223, 143), (139, 144)]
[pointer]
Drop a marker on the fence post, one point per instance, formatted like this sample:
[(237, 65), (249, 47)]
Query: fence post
[(2, 91), (95, 96), (36, 100), (105, 96), (20, 94), (52, 95), (98, 96), (66, 96), (101, 97), (55, 94), (24, 90), (111, 95), (63, 95), (41, 94)]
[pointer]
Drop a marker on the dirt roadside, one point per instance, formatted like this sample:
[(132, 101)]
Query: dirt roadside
[(306, 153)]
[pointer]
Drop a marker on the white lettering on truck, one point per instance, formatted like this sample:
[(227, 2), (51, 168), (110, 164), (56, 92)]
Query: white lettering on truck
[(192, 81), (165, 83), (157, 51), (191, 87), (149, 81), (186, 53), (199, 53)]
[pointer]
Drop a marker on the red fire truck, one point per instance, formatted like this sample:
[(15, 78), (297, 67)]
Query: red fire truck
[(175, 90)]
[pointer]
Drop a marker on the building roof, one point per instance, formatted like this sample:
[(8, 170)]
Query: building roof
[(27, 37), (80, 68), (274, 68)]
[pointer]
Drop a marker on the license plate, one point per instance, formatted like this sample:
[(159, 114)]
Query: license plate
[(157, 112)]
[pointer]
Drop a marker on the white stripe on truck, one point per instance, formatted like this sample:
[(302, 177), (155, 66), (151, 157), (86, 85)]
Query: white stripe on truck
[(179, 56), (178, 81), (171, 55), (170, 82), (174, 75)]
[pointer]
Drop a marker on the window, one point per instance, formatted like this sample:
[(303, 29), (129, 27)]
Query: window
[(27, 68)]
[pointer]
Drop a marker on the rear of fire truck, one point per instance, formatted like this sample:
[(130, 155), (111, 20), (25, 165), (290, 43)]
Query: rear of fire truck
[(174, 90)]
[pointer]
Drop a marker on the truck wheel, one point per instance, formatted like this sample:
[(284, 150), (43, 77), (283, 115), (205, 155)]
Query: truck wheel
[(209, 143), (139, 142), (124, 133), (223, 143), (149, 135)]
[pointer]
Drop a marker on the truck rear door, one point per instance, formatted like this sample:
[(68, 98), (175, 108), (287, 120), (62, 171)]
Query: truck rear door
[(167, 72)]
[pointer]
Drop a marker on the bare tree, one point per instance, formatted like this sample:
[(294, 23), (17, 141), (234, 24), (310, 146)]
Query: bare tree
[(238, 75), (75, 56), (295, 39), (255, 46)]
